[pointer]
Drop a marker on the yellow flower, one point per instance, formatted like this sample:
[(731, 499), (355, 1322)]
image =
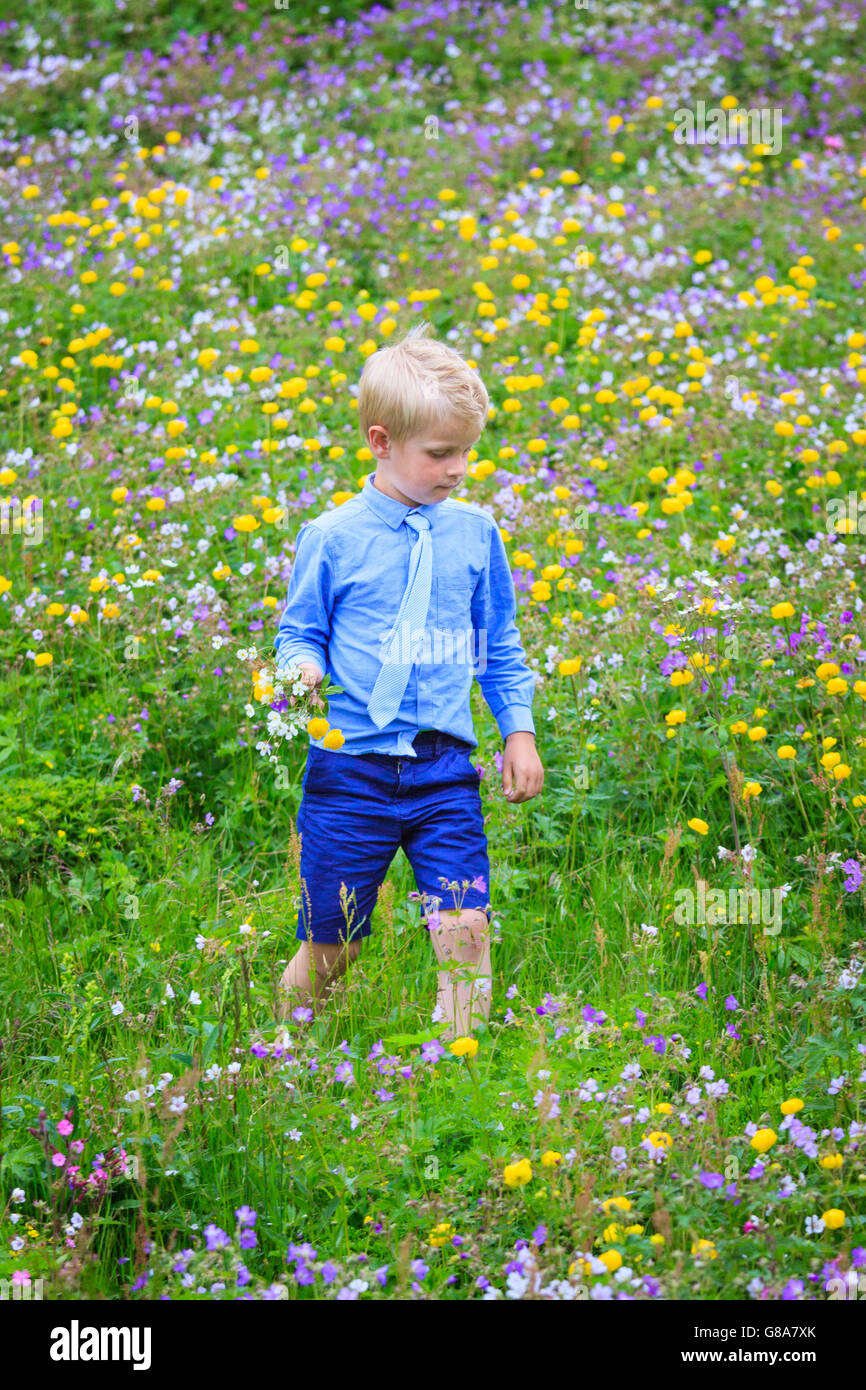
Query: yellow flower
[(786, 751), (659, 1139), (763, 1139), (43, 659), (515, 1174), (705, 1247), (440, 1234), (621, 1204), (830, 1161), (837, 686), (751, 789), (757, 733), (570, 666), (318, 727), (675, 716), (464, 1047), (333, 739), (611, 1258), (833, 1219), (550, 1158), (782, 610), (698, 825), (245, 523)]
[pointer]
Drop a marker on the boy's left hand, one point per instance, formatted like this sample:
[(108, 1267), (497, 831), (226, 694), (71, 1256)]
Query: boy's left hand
[(522, 772)]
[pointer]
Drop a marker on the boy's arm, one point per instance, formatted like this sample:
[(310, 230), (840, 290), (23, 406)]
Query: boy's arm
[(507, 681), (305, 627)]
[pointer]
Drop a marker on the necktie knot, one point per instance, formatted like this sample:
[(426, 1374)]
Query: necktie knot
[(417, 521)]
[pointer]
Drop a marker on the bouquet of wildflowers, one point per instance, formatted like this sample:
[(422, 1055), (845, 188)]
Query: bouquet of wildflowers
[(293, 706)]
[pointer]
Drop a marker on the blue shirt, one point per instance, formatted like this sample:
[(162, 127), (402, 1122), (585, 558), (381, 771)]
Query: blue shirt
[(350, 572)]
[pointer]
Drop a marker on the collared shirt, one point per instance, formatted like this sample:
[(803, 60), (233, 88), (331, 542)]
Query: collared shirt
[(350, 572)]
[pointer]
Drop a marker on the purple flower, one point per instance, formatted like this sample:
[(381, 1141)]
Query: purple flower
[(731, 1003), (853, 882), (701, 991), (329, 1272), (712, 1179), (246, 1216), (248, 1240), (215, 1237)]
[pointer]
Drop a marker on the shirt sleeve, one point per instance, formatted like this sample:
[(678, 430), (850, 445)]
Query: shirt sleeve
[(507, 681), (305, 627)]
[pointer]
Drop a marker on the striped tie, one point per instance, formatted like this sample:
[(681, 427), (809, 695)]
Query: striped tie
[(393, 678)]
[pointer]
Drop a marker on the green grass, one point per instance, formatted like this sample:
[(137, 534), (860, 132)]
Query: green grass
[(113, 895)]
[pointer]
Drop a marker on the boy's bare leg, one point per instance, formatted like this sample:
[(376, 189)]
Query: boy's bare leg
[(462, 942), (312, 973)]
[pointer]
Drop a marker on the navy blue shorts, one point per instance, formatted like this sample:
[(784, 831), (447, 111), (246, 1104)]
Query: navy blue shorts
[(357, 810)]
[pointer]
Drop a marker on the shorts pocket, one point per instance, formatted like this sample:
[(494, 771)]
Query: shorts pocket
[(462, 769), (321, 773)]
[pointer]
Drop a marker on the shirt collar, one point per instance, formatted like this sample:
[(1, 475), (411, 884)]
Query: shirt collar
[(392, 512)]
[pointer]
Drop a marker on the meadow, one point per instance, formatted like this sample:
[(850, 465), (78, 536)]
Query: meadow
[(208, 222)]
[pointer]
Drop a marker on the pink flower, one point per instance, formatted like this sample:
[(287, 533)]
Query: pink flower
[(64, 1127), (77, 1145), (58, 1160), (21, 1276)]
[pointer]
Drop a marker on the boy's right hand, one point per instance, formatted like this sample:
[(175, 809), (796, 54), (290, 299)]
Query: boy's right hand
[(312, 677)]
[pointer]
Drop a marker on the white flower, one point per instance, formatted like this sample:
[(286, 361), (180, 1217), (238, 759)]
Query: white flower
[(117, 1008), (18, 1194), (194, 997), (177, 1105), (749, 854)]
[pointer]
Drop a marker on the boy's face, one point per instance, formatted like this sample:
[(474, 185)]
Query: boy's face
[(426, 468)]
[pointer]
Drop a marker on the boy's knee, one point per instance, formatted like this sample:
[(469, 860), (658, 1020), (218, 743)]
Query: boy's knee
[(466, 932), (333, 959)]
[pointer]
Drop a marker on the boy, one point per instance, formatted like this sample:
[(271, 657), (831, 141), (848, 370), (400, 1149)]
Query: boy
[(386, 594)]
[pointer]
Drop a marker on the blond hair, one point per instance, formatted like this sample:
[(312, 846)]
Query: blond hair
[(417, 383)]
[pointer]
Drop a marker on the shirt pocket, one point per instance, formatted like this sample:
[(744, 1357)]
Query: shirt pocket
[(454, 601)]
